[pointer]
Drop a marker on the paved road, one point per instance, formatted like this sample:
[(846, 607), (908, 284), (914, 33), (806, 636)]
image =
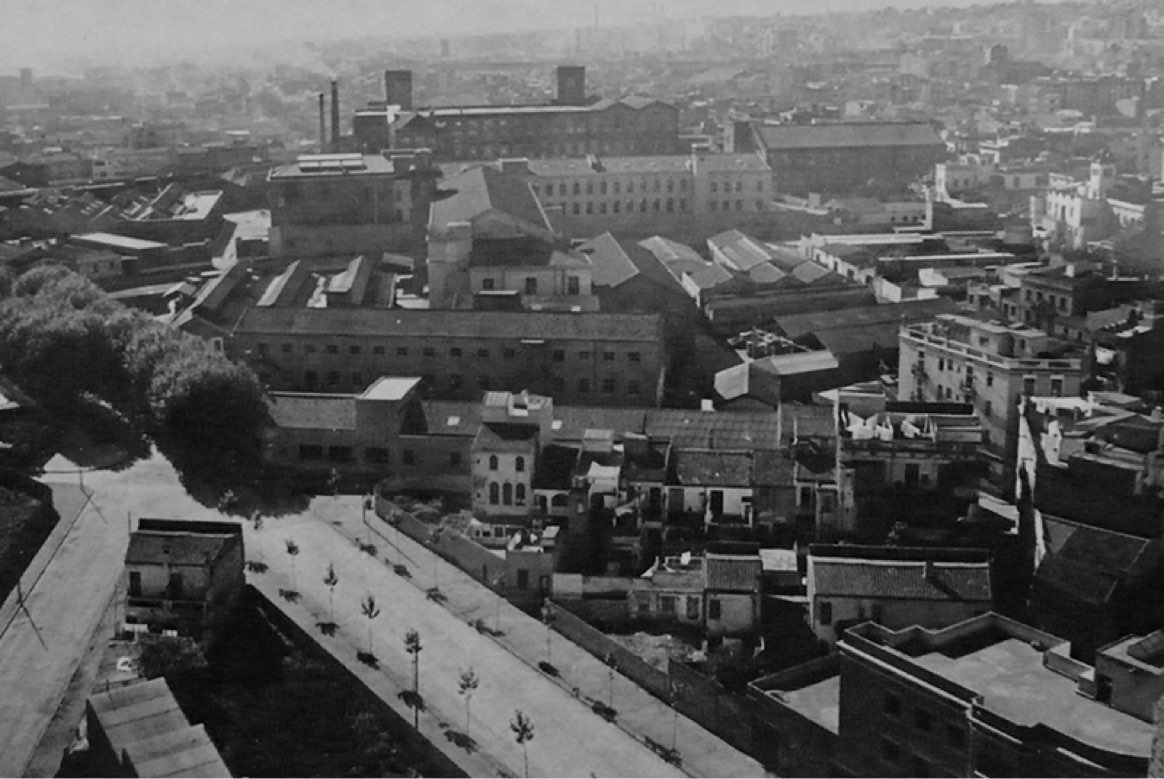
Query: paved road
[(44, 643), (702, 752), (567, 732)]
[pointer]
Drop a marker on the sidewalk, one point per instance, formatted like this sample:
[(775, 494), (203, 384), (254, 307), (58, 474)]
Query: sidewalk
[(566, 730), (639, 712)]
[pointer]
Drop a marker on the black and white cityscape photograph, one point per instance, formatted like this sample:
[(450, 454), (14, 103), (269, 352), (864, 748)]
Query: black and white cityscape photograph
[(581, 388)]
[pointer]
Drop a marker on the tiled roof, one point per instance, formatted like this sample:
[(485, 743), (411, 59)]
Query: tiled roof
[(176, 548), (847, 135), (704, 468), (902, 579), (797, 325), (610, 263), (483, 189), (733, 573), (710, 276), (643, 328), (312, 411), (1084, 562)]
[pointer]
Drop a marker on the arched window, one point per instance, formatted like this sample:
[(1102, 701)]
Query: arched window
[(519, 464), (492, 462), (493, 490), (559, 501), (507, 494), (519, 498)]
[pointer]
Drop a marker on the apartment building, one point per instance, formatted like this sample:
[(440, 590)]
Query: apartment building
[(984, 697), (987, 365), (596, 359)]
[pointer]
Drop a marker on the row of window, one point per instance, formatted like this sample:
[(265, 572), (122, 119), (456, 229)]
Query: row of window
[(573, 287), (372, 455), (506, 494), (616, 187), (518, 463), (558, 355), (670, 206), (456, 381)]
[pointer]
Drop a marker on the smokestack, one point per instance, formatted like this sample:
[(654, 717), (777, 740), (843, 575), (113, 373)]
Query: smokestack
[(322, 125), (335, 126)]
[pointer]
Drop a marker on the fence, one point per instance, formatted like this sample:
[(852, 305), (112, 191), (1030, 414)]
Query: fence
[(602, 646), (575, 585)]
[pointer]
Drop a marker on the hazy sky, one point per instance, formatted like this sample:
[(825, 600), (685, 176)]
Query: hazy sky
[(41, 32)]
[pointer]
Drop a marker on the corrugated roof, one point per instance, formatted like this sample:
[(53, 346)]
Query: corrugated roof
[(904, 579), (778, 137), (741, 251), (391, 323)]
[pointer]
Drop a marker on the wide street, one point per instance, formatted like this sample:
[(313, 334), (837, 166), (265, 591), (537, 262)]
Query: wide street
[(566, 730)]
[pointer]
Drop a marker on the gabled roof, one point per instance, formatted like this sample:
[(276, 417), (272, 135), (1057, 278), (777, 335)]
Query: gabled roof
[(710, 277), (707, 468), (676, 257), (312, 411), (797, 325), (610, 263), (900, 579), (1087, 563), (781, 137), (483, 189), (741, 251), (176, 548), (733, 573)]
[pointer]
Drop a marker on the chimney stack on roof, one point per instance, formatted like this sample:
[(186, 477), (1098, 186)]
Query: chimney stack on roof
[(322, 125)]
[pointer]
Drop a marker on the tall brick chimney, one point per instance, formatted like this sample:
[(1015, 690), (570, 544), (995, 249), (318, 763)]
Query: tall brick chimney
[(322, 125), (335, 124)]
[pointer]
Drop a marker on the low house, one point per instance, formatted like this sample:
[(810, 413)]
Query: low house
[(732, 583), (183, 575), (895, 587), (765, 382), (139, 730)]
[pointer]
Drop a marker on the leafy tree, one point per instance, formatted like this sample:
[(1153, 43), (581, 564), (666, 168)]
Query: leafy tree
[(466, 684), (167, 655), (523, 733), (331, 580), (370, 610), (293, 550), (413, 647)]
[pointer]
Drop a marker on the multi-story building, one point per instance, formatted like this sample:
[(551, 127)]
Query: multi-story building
[(592, 358), (331, 204), (574, 125), (985, 697), (841, 156), (987, 365)]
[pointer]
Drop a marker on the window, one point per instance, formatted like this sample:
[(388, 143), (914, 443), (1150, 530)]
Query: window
[(311, 378), (378, 351), (310, 452), (519, 464), (988, 408), (989, 379), (401, 351), (583, 355), (353, 349), (176, 586), (693, 607), (519, 495), (339, 454), (507, 494), (483, 354), (262, 348), (332, 349), (492, 462), (287, 348), (494, 493), (608, 386), (488, 284), (135, 584), (891, 705), (667, 605), (428, 351), (408, 456), (310, 348), (522, 578), (572, 282), (559, 355), (531, 286), (923, 719), (1056, 387), (508, 354), (333, 377), (583, 385), (634, 357), (825, 612), (890, 751), (454, 459), (454, 352), (1028, 385), (376, 455), (608, 356), (714, 609)]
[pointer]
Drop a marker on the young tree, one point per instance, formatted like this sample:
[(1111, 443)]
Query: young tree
[(675, 692), (465, 686), (331, 580), (523, 733), (293, 550), (413, 647), (548, 618), (611, 667), (370, 610)]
